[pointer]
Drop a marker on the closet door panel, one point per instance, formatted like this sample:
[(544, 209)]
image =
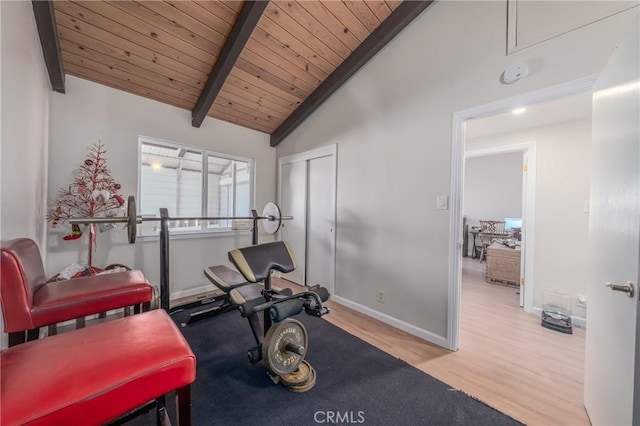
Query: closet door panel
[(293, 202), (320, 226)]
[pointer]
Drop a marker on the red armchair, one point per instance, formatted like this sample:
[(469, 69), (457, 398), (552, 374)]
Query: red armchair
[(29, 302)]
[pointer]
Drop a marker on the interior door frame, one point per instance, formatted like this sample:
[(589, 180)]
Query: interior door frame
[(324, 151), (458, 136), (528, 202)]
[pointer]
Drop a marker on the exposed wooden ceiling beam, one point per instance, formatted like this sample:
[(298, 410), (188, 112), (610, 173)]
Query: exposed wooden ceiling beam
[(388, 29), (247, 20), (48, 33)]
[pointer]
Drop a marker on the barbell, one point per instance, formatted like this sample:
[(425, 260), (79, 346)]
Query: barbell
[(271, 218)]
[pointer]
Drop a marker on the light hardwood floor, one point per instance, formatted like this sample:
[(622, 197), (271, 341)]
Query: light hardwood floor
[(506, 359)]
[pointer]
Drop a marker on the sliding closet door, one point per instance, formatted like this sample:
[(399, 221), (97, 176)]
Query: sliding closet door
[(293, 202), (320, 226)]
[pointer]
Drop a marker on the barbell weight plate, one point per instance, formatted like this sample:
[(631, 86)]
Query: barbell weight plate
[(271, 209), (132, 216), (299, 377), (311, 381), (277, 359)]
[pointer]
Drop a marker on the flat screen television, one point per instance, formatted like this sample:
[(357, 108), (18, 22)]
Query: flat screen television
[(512, 222)]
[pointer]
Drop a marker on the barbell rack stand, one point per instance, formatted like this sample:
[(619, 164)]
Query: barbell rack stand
[(164, 220)]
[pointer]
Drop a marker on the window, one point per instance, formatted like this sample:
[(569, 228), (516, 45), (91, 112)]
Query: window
[(192, 182)]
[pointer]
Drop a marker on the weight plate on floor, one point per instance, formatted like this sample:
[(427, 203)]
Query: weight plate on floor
[(132, 216), (272, 210), (299, 377), (307, 386), (277, 345)]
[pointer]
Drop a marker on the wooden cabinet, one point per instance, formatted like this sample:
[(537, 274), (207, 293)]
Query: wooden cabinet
[(503, 265)]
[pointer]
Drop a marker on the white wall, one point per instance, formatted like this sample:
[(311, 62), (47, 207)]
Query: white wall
[(563, 179), (25, 94), (25, 117), (89, 111), (392, 123), (493, 187)]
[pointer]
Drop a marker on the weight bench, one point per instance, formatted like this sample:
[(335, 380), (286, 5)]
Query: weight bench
[(29, 302), (226, 280), (98, 374), (256, 263)]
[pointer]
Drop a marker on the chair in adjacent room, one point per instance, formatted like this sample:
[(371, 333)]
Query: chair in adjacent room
[(29, 302), (489, 231)]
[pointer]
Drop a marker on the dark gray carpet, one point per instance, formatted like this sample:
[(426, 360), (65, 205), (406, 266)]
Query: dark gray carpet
[(356, 384)]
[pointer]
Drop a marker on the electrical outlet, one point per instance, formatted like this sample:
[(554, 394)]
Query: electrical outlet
[(382, 296), (582, 300)]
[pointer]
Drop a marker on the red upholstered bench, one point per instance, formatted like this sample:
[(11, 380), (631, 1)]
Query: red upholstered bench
[(93, 375), (29, 302)]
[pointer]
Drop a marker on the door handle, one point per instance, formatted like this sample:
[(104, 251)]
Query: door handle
[(628, 288)]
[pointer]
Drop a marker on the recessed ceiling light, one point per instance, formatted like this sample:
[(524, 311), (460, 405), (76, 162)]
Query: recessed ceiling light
[(518, 110), (156, 166)]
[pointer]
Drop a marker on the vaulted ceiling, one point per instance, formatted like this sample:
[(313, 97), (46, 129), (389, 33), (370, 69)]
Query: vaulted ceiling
[(261, 65)]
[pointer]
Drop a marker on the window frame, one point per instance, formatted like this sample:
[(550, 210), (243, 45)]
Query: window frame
[(204, 231)]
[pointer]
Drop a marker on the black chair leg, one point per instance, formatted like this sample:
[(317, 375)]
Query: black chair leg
[(53, 330), (80, 322), (146, 306), (162, 418), (16, 338), (136, 309), (33, 334), (183, 406)]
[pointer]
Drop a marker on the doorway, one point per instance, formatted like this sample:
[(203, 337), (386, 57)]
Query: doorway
[(307, 191), (507, 192), (562, 154), (460, 121)]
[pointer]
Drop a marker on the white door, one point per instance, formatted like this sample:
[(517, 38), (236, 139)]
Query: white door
[(320, 216), (293, 202), (612, 359)]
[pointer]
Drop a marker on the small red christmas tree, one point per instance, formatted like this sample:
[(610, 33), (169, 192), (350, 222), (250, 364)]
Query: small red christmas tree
[(93, 193)]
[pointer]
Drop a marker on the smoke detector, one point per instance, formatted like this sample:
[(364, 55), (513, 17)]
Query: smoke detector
[(514, 73)]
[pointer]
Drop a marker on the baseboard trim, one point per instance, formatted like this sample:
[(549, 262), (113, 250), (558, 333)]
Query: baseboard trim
[(207, 288), (579, 321), (394, 322)]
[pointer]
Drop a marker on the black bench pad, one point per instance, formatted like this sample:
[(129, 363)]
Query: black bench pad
[(226, 279)]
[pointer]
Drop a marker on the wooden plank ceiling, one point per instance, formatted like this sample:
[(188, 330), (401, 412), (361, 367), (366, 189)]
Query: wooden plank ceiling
[(166, 50)]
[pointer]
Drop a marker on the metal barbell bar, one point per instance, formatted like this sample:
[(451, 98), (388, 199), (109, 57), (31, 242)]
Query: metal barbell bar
[(271, 218)]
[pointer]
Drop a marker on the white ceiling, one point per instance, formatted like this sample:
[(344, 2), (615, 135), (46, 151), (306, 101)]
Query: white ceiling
[(572, 107)]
